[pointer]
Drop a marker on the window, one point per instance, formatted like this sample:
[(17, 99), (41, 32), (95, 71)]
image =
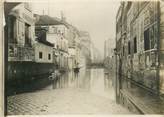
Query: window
[(49, 56), (40, 55), (27, 35), (146, 40), (135, 45), (129, 48)]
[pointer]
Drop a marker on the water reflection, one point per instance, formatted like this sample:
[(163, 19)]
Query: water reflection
[(94, 80)]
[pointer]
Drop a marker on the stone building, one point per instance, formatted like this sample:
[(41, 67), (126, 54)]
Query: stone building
[(139, 54), (73, 48), (85, 46), (29, 55), (108, 54), (19, 37), (20, 33), (56, 33)]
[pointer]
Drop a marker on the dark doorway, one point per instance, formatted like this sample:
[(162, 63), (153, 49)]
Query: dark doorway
[(146, 40)]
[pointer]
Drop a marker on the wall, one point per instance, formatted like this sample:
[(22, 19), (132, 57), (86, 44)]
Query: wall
[(63, 60), (19, 49), (39, 47), (23, 16), (53, 38), (57, 35), (140, 65)]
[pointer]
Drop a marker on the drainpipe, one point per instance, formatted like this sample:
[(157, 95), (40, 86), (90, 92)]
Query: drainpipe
[(158, 47), (116, 78)]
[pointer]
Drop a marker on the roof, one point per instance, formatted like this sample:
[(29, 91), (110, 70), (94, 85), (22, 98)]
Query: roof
[(41, 37), (73, 27), (45, 42), (8, 6), (47, 20)]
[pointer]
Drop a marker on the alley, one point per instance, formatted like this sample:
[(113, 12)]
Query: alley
[(91, 92)]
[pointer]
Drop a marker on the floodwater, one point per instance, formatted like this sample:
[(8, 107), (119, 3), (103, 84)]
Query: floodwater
[(88, 92), (94, 80)]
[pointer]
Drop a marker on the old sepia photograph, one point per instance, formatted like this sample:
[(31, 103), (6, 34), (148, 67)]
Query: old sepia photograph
[(82, 57)]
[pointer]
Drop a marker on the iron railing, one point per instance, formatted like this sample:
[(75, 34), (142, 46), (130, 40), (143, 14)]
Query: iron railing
[(17, 52)]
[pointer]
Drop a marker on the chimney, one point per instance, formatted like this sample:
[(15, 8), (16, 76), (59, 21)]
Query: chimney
[(63, 18)]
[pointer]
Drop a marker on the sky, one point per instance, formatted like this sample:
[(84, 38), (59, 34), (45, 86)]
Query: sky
[(95, 16)]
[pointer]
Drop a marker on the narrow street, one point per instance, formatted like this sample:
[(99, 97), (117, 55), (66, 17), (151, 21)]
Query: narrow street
[(90, 92), (82, 57)]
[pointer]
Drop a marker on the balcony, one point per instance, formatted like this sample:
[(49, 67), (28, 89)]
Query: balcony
[(20, 53)]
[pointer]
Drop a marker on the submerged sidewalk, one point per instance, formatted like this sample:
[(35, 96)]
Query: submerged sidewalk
[(62, 101), (145, 102)]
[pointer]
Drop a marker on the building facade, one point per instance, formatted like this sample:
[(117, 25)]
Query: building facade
[(56, 33), (20, 34), (85, 46), (109, 54), (27, 53), (139, 53)]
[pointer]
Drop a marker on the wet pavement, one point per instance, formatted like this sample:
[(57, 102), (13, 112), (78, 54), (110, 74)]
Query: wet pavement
[(88, 92), (147, 102)]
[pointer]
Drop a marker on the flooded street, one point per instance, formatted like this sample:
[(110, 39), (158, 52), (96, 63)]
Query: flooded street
[(88, 92), (93, 80), (72, 57)]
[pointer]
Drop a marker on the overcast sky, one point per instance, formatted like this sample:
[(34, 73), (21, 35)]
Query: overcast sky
[(95, 16)]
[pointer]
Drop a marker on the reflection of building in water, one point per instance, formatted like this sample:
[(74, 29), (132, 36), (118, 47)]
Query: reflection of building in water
[(70, 80), (92, 80), (108, 80)]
